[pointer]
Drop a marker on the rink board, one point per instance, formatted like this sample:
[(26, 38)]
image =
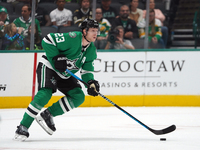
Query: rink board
[(139, 78), (121, 100)]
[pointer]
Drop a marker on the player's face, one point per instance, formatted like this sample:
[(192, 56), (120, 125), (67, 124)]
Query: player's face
[(92, 34)]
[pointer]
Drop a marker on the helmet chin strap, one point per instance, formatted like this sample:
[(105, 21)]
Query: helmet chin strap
[(85, 36)]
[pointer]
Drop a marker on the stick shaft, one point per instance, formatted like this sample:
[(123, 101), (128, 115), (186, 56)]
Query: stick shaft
[(104, 97), (157, 132)]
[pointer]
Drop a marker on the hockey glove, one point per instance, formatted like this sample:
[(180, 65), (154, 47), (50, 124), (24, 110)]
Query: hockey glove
[(93, 88), (60, 62)]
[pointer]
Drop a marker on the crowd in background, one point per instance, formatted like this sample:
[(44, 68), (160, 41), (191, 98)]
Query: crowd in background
[(117, 29)]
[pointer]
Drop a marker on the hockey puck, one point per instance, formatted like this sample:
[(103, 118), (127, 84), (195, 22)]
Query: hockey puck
[(162, 139)]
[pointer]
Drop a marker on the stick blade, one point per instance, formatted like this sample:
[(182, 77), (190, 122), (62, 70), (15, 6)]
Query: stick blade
[(164, 131)]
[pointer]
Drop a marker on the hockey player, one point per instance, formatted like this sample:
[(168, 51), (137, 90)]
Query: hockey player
[(73, 51)]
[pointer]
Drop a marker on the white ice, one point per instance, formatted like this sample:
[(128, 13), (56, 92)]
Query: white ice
[(107, 128)]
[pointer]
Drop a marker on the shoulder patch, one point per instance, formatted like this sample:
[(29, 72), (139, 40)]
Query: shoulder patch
[(72, 34)]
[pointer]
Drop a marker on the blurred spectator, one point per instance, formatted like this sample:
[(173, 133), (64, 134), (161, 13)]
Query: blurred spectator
[(18, 1), (15, 2), (83, 12), (130, 28), (104, 27), (37, 39), (155, 40), (136, 14), (25, 20), (3, 18), (47, 1), (12, 39), (109, 12), (61, 16), (158, 15), (41, 15), (23, 1), (1, 35), (120, 42)]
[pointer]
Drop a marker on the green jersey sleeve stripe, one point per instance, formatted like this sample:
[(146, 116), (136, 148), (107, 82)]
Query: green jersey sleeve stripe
[(48, 39), (82, 72), (51, 39)]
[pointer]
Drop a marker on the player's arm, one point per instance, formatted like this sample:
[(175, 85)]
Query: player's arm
[(50, 46), (87, 68), (87, 71), (49, 43), (87, 76)]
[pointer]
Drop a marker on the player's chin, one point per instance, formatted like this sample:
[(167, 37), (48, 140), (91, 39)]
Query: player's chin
[(93, 39)]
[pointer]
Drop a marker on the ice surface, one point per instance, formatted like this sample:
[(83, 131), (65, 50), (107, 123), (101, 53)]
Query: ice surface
[(107, 128)]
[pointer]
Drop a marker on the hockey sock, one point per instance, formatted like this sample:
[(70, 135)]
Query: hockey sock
[(40, 100), (74, 98)]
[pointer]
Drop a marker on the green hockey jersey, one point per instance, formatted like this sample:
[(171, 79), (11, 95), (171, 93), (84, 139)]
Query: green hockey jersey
[(20, 22), (6, 22), (70, 44)]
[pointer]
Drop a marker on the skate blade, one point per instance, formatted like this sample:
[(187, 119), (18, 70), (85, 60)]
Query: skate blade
[(18, 137), (40, 121)]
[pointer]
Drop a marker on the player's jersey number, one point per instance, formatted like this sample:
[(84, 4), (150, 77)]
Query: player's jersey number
[(59, 37)]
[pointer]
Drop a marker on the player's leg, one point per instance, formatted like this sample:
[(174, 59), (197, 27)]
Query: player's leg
[(45, 90), (31, 112), (45, 120), (73, 98), (40, 100)]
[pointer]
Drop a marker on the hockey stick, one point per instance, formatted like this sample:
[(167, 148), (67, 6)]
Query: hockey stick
[(157, 132)]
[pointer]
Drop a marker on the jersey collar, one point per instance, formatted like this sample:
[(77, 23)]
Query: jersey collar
[(85, 47)]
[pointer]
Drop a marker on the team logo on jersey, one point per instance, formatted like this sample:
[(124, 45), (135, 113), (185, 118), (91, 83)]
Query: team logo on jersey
[(72, 34), (71, 64), (53, 81)]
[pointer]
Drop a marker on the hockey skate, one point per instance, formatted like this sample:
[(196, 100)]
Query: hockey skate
[(21, 133), (45, 120)]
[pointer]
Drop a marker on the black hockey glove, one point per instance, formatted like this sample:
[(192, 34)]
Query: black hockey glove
[(93, 88), (60, 62)]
